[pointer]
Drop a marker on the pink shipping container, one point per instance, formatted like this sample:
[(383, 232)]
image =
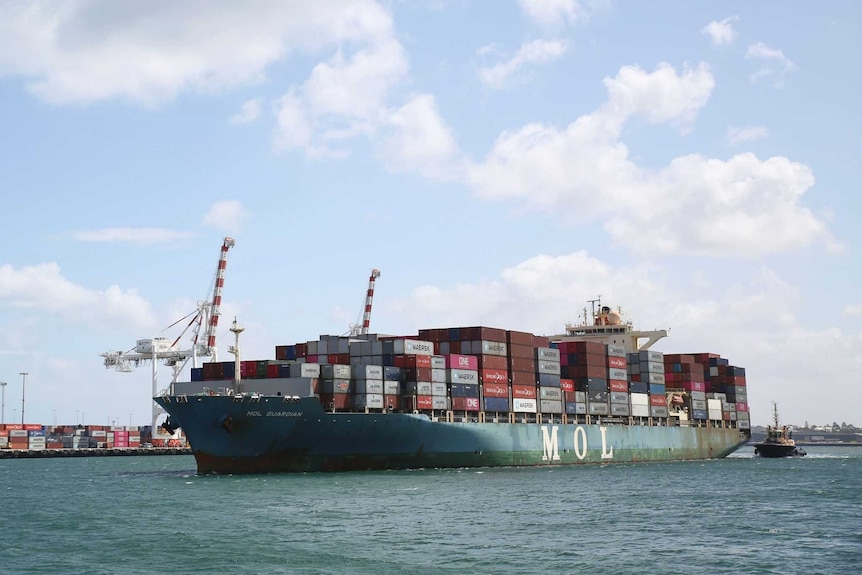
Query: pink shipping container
[(459, 361)]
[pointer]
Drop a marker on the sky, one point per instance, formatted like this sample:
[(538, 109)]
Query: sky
[(695, 164)]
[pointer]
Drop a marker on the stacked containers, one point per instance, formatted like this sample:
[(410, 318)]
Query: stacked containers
[(618, 381), (413, 356), (335, 385), (683, 372), (522, 362), (585, 362), (368, 386), (462, 379), (548, 375), (648, 383), (35, 436)]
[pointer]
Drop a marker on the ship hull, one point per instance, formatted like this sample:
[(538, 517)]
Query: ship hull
[(773, 450), (272, 434)]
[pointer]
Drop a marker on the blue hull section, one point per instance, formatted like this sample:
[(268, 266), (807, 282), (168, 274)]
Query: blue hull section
[(274, 434)]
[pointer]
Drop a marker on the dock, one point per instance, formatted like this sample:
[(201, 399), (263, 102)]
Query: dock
[(92, 452)]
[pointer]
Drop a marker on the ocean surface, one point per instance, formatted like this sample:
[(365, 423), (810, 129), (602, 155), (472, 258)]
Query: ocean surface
[(154, 515)]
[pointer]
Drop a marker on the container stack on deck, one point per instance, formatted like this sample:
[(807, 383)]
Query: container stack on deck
[(495, 374)]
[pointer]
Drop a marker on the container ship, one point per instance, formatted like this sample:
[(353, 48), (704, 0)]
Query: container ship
[(461, 397)]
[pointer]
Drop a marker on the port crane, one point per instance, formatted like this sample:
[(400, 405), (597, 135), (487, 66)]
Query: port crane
[(171, 353), (357, 329)]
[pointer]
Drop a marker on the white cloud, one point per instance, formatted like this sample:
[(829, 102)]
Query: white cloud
[(721, 32), (535, 52), (344, 97), (739, 322), (80, 52), (773, 63), (226, 215), (43, 288), (743, 206), (750, 134), (142, 236), (549, 12), (853, 310), (418, 139), (249, 112)]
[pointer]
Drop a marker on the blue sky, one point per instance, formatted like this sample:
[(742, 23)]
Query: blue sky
[(501, 163)]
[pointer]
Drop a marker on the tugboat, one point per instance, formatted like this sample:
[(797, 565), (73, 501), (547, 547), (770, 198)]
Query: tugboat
[(779, 440)]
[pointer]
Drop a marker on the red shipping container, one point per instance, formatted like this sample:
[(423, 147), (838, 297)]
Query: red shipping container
[(301, 349), (465, 403), (523, 378), (495, 390), (658, 400), (693, 385), (459, 361), (520, 338), (618, 385), (590, 347), (272, 370), (424, 402), (521, 364), (336, 401), (494, 376), (391, 401), (742, 407), (522, 351), (418, 373), (412, 361), (524, 391), (616, 362), (567, 384), (493, 362), (33, 426), (4, 433)]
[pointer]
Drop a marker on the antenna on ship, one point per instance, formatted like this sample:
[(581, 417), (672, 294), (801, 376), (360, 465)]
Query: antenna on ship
[(593, 303), (234, 349)]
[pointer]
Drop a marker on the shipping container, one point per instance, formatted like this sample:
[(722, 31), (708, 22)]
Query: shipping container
[(524, 405)]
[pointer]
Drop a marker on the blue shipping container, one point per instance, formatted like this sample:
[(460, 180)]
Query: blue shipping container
[(496, 404)]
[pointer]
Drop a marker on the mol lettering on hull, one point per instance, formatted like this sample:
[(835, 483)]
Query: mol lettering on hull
[(551, 444)]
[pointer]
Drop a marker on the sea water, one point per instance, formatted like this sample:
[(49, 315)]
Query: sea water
[(146, 515)]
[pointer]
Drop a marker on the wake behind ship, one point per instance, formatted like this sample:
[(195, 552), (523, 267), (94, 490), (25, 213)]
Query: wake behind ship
[(461, 397)]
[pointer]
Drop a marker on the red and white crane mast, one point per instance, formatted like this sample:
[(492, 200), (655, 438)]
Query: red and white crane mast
[(362, 328), (216, 301)]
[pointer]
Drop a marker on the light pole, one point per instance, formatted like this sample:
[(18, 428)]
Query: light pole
[(2, 402), (23, 375)]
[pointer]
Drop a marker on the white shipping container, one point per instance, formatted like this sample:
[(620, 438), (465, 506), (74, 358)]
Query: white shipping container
[(391, 387), (620, 409), (581, 396), (438, 375), (548, 367), (369, 386), (639, 399), (423, 388), (547, 354), (656, 377), (554, 393), (651, 356), (413, 347), (618, 374), (17, 433), (657, 411), (581, 408), (337, 371), (370, 400), (304, 369), (463, 376), (698, 404), (743, 424), (713, 404), (438, 388), (520, 405), (4, 441), (482, 347), (367, 371), (311, 347), (550, 406), (714, 415), (98, 433), (640, 410), (619, 397), (438, 362), (651, 367), (438, 402), (616, 350), (698, 395)]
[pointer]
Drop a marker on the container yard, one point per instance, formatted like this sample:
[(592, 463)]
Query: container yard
[(36, 440)]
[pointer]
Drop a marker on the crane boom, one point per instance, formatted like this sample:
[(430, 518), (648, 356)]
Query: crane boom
[(366, 317), (216, 297)]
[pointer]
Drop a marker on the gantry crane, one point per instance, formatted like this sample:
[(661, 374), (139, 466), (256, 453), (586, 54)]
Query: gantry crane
[(362, 329), (159, 349)]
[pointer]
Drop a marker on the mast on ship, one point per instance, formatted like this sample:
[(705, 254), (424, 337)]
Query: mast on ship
[(234, 349)]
